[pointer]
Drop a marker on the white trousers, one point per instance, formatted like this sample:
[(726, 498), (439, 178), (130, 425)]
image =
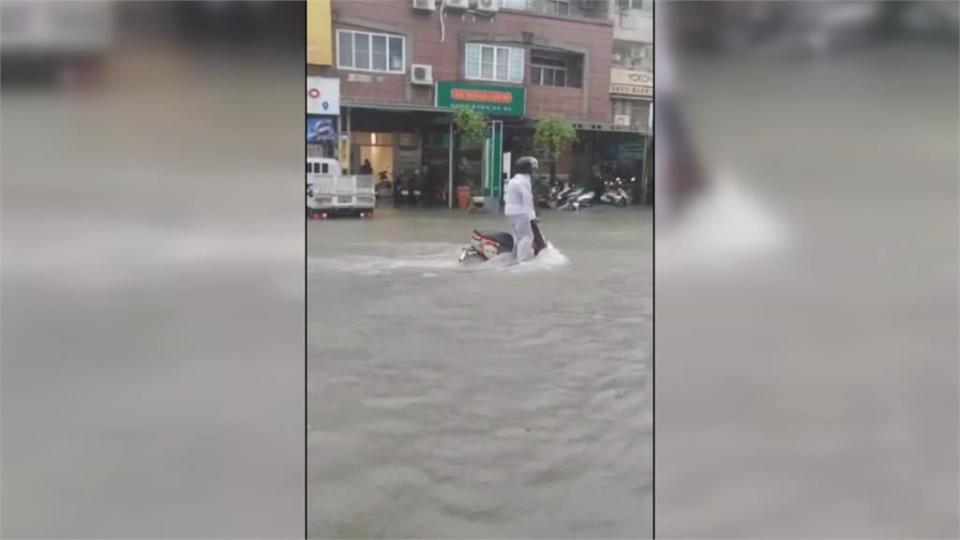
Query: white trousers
[(522, 237)]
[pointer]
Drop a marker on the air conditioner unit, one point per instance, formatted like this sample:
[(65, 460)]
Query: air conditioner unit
[(488, 6), (421, 74), (621, 119), (458, 4), (427, 5)]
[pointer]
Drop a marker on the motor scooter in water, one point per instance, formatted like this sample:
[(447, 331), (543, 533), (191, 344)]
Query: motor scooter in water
[(485, 245)]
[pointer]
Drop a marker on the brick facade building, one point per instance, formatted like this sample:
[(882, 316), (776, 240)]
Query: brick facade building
[(582, 43), (389, 56)]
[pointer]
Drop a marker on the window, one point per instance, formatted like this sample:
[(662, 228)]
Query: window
[(647, 61), (396, 54), (559, 7), (645, 6), (493, 63), (503, 60), (636, 111), (486, 63), (365, 51), (380, 53), (548, 70)]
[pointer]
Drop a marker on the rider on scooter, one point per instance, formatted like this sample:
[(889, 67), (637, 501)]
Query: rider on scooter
[(519, 207)]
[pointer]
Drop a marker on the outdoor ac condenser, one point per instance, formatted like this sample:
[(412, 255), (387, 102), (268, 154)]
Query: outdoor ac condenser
[(427, 5), (421, 74), (488, 6)]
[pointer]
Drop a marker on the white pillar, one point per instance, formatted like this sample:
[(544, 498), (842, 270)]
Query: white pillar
[(450, 168)]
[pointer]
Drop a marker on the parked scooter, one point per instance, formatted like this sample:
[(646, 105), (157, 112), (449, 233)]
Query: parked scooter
[(627, 191), (610, 194), (558, 195), (577, 199), (407, 189), (615, 194)]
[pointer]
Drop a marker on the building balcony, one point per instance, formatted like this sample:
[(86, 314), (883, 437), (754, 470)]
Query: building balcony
[(575, 9), (633, 26)]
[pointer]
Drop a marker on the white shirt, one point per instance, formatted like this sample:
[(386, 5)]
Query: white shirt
[(519, 197)]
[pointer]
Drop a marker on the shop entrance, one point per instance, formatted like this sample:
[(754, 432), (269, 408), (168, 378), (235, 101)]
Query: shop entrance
[(405, 144), (376, 147)]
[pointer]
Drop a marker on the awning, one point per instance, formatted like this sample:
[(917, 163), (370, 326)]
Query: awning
[(398, 106), (507, 122), (604, 127)]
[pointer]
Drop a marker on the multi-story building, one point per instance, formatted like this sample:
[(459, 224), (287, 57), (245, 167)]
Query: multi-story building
[(403, 65), (631, 70)]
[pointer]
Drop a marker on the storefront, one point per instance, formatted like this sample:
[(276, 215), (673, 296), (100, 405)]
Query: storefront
[(386, 151), (619, 150), (323, 110), (481, 166), (631, 98), (399, 141)]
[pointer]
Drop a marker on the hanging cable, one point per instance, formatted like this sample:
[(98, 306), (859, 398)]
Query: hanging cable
[(443, 28)]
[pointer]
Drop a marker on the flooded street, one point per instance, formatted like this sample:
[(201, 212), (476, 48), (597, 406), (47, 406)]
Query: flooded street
[(446, 401)]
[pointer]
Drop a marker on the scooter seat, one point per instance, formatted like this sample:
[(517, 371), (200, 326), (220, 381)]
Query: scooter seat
[(505, 239)]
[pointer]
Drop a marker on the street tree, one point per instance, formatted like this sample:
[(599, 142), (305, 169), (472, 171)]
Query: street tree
[(552, 137), (471, 129)]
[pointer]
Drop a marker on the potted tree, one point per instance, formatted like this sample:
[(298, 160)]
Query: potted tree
[(553, 136), (471, 128)]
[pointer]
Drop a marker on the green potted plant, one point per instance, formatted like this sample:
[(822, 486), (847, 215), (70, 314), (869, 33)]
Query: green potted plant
[(471, 129)]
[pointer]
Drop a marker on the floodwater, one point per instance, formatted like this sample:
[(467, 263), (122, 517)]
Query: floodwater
[(481, 401)]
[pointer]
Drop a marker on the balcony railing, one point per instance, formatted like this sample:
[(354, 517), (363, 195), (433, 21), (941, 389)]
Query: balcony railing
[(580, 9)]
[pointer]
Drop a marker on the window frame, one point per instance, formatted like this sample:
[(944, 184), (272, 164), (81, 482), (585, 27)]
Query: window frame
[(370, 35), (514, 54), (554, 68), (556, 8)]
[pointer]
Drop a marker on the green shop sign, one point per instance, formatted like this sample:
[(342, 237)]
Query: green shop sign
[(483, 98)]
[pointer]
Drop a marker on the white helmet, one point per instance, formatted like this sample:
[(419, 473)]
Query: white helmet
[(528, 161)]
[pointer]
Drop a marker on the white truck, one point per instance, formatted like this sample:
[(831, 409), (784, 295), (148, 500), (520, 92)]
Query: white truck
[(331, 193), (56, 37)]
